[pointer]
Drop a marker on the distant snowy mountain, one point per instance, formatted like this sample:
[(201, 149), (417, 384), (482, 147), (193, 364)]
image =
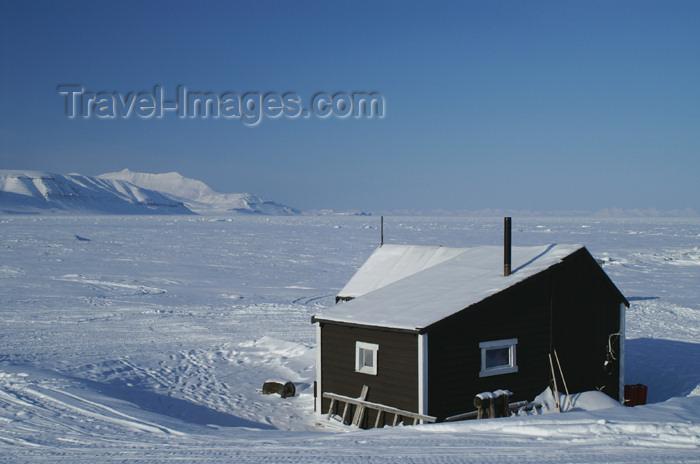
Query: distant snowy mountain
[(26, 192), (198, 196)]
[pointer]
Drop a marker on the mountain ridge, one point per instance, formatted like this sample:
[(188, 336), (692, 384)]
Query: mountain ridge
[(123, 192), (36, 192), (198, 196)]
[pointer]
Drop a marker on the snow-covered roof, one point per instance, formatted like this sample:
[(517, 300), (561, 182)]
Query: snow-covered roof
[(438, 291), (390, 263)]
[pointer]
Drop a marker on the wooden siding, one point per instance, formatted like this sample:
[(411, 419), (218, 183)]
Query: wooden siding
[(572, 307), (396, 382), (586, 313), (454, 366)]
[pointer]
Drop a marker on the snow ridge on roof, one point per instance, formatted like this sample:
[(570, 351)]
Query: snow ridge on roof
[(390, 263), (436, 292)]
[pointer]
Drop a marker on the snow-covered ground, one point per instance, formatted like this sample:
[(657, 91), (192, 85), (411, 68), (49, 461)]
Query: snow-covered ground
[(146, 339)]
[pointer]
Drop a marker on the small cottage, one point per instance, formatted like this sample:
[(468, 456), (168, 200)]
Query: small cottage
[(428, 328)]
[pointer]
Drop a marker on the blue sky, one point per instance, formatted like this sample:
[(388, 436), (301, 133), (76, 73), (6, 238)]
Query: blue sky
[(543, 105)]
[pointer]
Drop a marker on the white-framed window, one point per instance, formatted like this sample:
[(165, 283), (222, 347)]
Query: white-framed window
[(498, 357), (366, 357)]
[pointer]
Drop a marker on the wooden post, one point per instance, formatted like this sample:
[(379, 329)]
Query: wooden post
[(502, 403), (484, 405), (479, 405), (568, 397), (345, 412), (506, 246), (492, 408), (379, 417), (556, 389), (360, 409), (330, 408)]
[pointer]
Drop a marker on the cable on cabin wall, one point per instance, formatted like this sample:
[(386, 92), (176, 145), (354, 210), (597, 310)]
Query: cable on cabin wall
[(608, 366)]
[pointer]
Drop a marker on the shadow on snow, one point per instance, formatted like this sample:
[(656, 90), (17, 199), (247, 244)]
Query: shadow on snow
[(669, 368), (181, 409)]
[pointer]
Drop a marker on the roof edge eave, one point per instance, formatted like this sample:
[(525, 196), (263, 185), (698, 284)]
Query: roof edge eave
[(414, 330)]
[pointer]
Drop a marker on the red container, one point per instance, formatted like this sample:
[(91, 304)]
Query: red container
[(630, 395), (641, 394), (635, 395)]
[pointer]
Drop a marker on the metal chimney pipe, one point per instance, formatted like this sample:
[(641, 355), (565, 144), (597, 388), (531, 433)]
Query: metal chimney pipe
[(506, 246), (381, 243)]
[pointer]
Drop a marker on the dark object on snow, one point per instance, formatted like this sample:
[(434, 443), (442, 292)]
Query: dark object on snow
[(82, 239), (491, 405), (516, 407), (284, 389), (485, 405), (635, 395), (502, 403)]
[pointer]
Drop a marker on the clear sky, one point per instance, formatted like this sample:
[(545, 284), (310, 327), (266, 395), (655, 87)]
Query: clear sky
[(538, 105)]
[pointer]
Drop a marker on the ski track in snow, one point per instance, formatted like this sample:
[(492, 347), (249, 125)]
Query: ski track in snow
[(131, 288), (149, 341)]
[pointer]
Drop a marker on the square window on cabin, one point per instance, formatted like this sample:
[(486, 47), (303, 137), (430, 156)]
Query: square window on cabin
[(366, 358), (498, 357)]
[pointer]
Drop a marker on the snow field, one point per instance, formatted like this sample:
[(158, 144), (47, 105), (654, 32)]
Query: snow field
[(148, 342)]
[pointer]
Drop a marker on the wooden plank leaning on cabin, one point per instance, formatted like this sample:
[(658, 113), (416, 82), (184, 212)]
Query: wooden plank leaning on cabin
[(397, 366), (360, 408), (345, 412), (380, 407), (330, 409), (380, 414)]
